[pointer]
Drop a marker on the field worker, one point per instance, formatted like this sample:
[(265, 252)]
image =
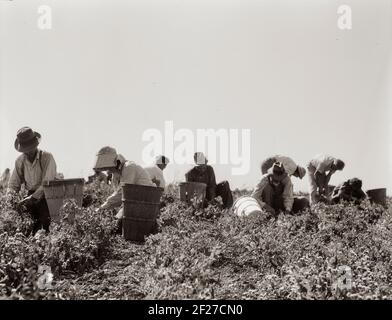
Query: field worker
[(275, 190), (204, 173), (5, 177), (123, 172), (156, 171), (350, 190), (318, 176), (290, 167), (32, 168)]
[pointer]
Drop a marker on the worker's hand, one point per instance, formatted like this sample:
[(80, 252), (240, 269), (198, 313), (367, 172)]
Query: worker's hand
[(28, 201), (157, 182)]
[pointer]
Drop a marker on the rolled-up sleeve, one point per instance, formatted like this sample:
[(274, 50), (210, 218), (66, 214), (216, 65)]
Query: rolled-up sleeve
[(49, 173)]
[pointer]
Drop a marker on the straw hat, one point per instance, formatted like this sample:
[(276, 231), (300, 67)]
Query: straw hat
[(26, 140)]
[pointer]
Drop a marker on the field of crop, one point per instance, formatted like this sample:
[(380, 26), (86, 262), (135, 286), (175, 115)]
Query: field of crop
[(334, 252)]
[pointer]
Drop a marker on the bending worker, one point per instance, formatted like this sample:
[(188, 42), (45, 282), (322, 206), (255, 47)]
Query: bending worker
[(123, 172), (318, 176)]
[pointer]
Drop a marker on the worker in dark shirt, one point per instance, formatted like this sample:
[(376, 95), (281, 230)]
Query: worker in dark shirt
[(350, 190), (204, 173)]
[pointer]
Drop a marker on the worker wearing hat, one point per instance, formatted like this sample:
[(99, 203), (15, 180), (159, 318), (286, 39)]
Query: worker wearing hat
[(290, 167), (123, 172), (350, 190), (275, 191), (320, 170), (32, 168), (204, 173), (156, 172)]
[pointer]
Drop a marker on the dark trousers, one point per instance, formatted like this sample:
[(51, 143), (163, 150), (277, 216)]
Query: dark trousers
[(272, 196), (39, 212), (223, 190)]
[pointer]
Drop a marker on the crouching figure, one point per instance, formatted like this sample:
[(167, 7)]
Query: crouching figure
[(350, 190), (204, 173), (275, 192)]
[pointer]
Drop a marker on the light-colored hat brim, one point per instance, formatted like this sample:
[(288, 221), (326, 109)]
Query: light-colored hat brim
[(104, 161)]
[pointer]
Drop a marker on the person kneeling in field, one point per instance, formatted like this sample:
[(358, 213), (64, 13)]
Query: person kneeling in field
[(275, 192), (32, 168), (204, 173), (319, 178), (123, 172), (350, 190), (290, 167)]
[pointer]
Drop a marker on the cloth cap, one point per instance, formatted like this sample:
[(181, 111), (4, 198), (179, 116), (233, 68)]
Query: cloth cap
[(200, 158), (107, 157)]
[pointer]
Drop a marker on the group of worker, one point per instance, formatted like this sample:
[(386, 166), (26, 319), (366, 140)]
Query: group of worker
[(274, 192)]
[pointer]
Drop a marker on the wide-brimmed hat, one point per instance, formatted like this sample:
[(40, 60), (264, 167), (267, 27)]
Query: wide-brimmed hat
[(107, 157), (26, 140)]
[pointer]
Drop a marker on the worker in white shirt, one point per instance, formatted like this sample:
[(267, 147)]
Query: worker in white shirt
[(32, 168), (290, 167), (123, 172), (318, 176), (156, 171)]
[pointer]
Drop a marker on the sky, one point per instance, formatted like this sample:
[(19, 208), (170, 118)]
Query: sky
[(108, 70)]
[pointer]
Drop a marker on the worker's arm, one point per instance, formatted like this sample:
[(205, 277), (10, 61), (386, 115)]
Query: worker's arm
[(288, 196), (113, 201), (15, 183), (258, 191)]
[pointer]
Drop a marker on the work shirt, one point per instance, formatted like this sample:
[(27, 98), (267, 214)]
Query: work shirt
[(130, 173), (156, 173), (321, 163), (289, 165), (203, 174), (33, 175), (287, 195)]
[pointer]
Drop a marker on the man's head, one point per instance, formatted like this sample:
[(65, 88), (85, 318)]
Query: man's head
[(300, 172), (355, 183), (278, 173), (338, 164), (108, 159), (162, 162), (27, 141), (200, 159)]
